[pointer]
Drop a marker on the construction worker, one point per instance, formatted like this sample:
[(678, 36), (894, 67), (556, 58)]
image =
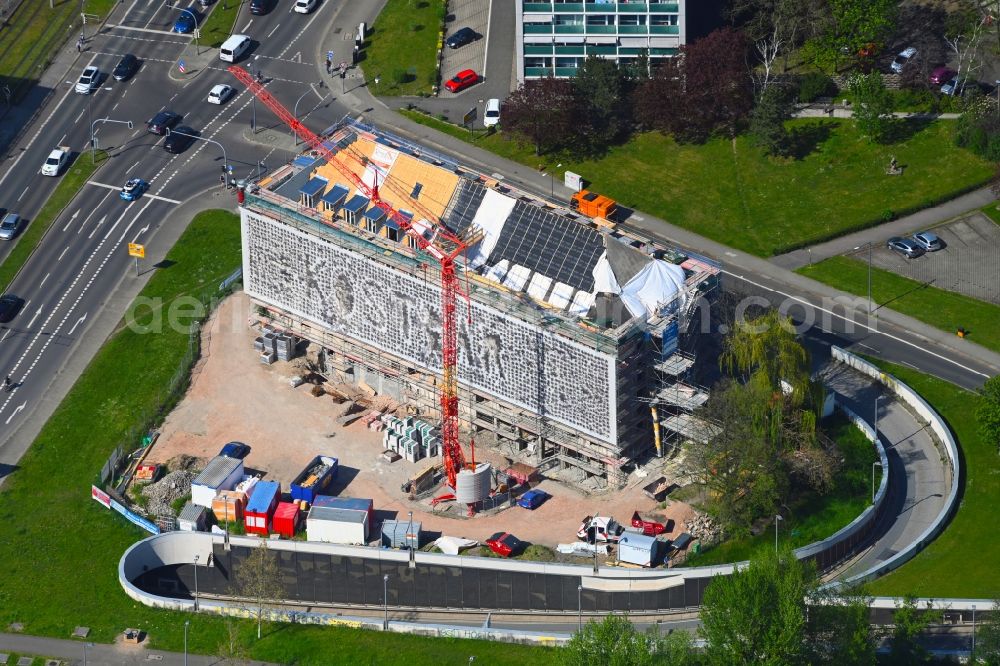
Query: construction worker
[(79, 45)]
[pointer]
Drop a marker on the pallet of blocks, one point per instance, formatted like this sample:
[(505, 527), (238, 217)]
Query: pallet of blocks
[(411, 438)]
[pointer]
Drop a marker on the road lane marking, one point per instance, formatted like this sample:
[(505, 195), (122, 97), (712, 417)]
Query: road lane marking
[(131, 167), (273, 30), (60, 141), (32, 322), (145, 194), (141, 232), (78, 322), (23, 193), (16, 411), (137, 216), (63, 252), (6, 334), (152, 30), (43, 280), (96, 226), (82, 111), (247, 26), (115, 106), (96, 208)]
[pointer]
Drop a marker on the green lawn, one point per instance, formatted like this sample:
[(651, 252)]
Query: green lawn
[(992, 211), (964, 560), (731, 192), (219, 24), (943, 309), (813, 517), (72, 180), (35, 32), (60, 550), (402, 49)]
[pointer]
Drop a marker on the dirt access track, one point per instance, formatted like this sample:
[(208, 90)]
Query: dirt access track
[(235, 397)]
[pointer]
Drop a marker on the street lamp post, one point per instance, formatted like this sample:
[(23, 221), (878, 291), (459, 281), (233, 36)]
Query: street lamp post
[(196, 583), (93, 136), (186, 623), (85, 646), (253, 98), (225, 165), (875, 426), (579, 607), (777, 519), (873, 479), (552, 181), (857, 248), (295, 114), (385, 601), (974, 630)]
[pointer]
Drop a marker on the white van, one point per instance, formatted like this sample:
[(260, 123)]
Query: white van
[(492, 115), (234, 47)]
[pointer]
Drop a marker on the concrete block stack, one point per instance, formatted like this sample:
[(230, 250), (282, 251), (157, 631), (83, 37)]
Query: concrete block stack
[(411, 438), (285, 347)]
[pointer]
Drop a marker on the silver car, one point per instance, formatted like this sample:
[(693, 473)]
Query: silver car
[(9, 226), (927, 241), (905, 246)]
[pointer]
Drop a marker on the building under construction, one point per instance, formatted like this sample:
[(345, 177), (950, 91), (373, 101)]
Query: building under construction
[(568, 331)]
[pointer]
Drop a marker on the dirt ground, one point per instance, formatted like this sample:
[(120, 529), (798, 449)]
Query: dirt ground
[(235, 397)]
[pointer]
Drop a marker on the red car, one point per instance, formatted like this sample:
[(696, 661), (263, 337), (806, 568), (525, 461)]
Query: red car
[(504, 544), (940, 75), (462, 80)]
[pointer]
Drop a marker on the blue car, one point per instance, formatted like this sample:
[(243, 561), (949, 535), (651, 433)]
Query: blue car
[(186, 23), (237, 450), (133, 189), (532, 499)]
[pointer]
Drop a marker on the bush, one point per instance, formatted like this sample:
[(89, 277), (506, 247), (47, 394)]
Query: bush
[(978, 128), (814, 85)]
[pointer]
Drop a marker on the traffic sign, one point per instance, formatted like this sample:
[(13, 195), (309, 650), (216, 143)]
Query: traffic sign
[(329, 55), (469, 116), (136, 250)]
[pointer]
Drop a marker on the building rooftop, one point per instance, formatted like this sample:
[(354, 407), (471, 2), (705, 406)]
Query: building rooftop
[(217, 470)]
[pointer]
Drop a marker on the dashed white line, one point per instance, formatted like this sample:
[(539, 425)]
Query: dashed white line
[(32, 322), (129, 170), (79, 116), (23, 193), (6, 334), (247, 25), (63, 253), (273, 31), (96, 226), (43, 280), (60, 141)]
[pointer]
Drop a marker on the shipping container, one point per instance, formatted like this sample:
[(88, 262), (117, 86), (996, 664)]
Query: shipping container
[(260, 507), (401, 534), (228, 506), (192, 518), (220, 474), (344, 520), (314, 479), (640, 549), (286, 519)]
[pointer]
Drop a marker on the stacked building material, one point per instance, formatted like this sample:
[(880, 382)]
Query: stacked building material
[(285, 347), (267, 345), (411, 438)]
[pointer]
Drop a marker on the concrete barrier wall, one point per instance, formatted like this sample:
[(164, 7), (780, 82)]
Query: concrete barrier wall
[(941, 430)]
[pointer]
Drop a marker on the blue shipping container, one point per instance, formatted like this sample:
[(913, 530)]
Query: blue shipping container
[(320, 473)]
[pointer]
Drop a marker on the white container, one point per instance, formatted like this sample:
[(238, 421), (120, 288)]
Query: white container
[(221, 473)]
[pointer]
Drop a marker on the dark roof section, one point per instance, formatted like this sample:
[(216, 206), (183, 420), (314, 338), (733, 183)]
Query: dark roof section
[(290, 188), (625, 260), (608, 311), (550, 244), (465, 201)]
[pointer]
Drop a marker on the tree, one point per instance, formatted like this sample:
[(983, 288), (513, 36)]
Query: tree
[(988, 411), (659, 99), (872, 106), (988, 639), (615, 642), (840, 630), (257, 580), (757, 615), (543, 112), (767, 345), (600, 87), (908, 623), (964, 30), (852, 28), (767, 120), (231, 650), (717, 89)]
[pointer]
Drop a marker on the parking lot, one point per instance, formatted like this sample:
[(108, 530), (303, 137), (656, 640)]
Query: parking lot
[(968, 264)]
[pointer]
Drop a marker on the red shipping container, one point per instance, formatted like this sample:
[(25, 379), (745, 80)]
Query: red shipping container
[(286, 519), (260, 507)]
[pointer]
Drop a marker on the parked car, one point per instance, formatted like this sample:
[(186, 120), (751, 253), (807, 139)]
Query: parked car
[(940, 75), (126, 67), (492, 115), (186, 22), (10, 305), (162, 121), (305, 6), (9, 226), (953, 86), (178, 140), (927, 241), (261, 6), (461, 38), (532, 499), (237, 450), (904, 56), (504, 544), (88, 80), (133, 189), (220, 93), (462, 80), (905, 246)]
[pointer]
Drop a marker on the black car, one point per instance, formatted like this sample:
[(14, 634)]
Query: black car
[(126, 67), (10, 305), (178, 140), (461, 38), (261, 6), (237, 450), (161, 121)]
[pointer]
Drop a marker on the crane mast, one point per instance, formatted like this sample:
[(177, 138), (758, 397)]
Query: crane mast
[(443, 245)]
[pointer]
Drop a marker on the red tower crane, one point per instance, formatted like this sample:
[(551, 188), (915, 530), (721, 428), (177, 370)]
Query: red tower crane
[(443, 245)]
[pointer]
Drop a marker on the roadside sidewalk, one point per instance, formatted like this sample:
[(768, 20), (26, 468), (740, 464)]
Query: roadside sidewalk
[(904, 226), (101, 654)]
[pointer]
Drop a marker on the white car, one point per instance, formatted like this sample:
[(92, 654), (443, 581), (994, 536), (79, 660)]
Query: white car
[(88, 80), (56, 160), (492, 115), (902, 58), (220, 94), (305, 6)]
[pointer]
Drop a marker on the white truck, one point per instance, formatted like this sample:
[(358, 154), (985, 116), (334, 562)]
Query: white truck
[(57, 159)]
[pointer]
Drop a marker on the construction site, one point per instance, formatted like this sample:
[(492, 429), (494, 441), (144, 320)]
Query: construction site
[(501, 318)]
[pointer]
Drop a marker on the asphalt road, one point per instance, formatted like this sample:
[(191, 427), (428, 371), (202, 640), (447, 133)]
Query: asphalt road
[(83, 257)]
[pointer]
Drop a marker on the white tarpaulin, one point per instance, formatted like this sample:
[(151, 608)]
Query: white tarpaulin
[(604, 277), (581, 303), (451, 545), (582, 548), (561, 296), (517, 277), (539, 286), (657, 284), (498, 270), (490, 217)]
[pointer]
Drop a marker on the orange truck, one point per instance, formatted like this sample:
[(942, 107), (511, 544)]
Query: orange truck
[(595, 205)]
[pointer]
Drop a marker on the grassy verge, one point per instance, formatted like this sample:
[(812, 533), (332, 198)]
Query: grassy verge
[(71, 183), (963, 561), (76, 582), (942, 309), (402, 71), (992, 211), (219, 24), (731, 192), (812, 517)]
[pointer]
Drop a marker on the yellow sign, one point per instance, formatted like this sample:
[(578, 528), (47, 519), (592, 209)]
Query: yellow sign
[(137, 251)]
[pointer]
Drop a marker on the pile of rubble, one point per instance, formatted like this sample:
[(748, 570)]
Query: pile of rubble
[(167, 490), (703, 529)]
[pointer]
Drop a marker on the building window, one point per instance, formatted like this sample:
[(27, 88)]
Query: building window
[(600, 19), (567, 19), (632, 19), (537, 62), (392, 234), (567, 62), (663, 19)]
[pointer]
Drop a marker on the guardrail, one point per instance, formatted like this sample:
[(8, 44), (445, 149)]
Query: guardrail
[(940, 429)]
